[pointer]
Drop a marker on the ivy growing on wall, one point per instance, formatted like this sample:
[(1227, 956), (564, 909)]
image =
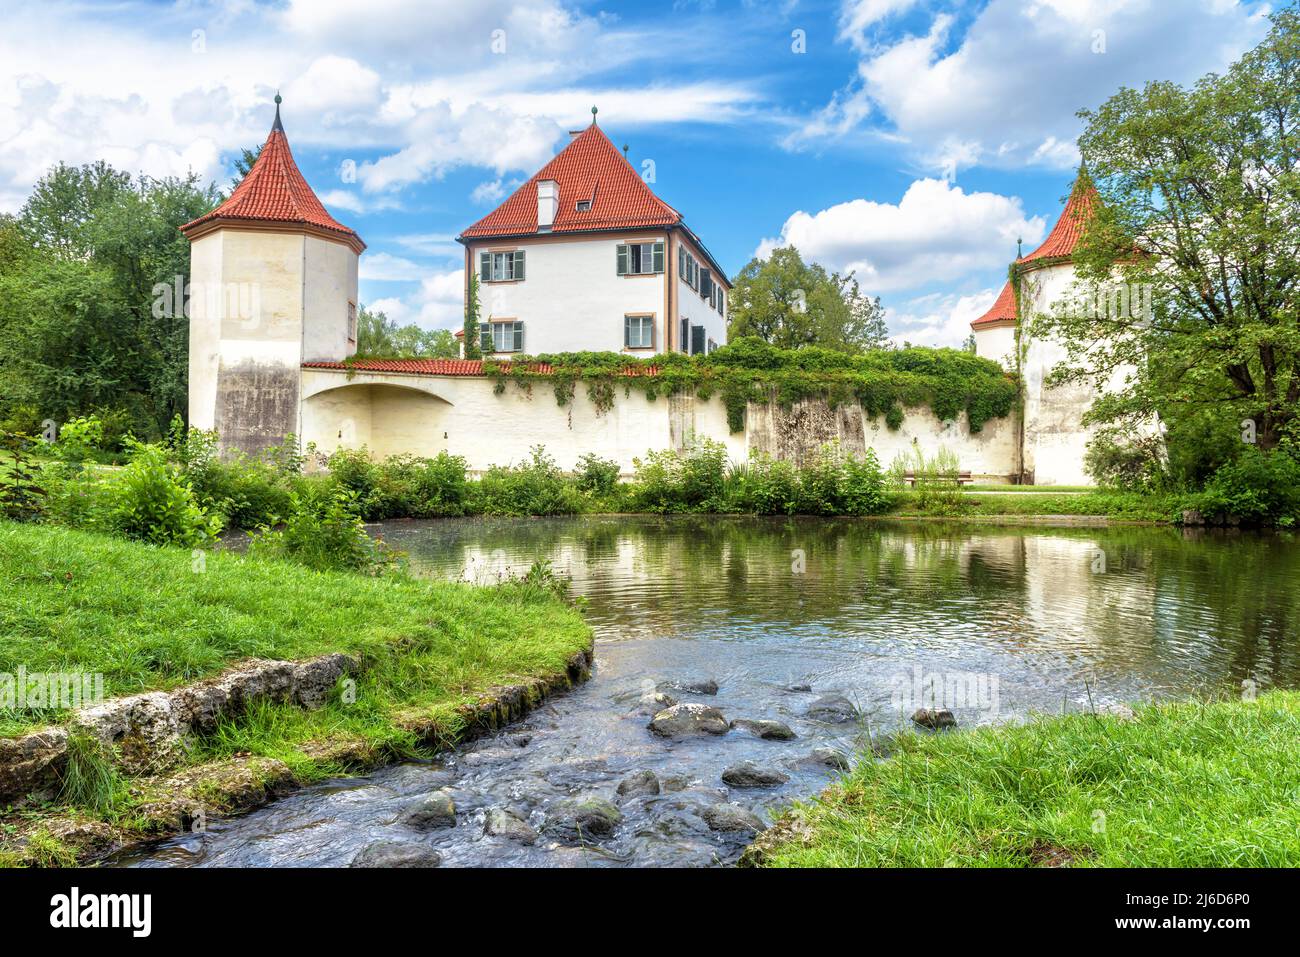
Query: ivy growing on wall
[(883, 382)]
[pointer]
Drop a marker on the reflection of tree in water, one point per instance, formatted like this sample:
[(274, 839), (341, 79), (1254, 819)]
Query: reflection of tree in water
[(1221, 606)]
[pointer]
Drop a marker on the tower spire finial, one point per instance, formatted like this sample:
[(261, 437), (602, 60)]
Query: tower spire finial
[(593, 116), (1020, 248), (277, 125)]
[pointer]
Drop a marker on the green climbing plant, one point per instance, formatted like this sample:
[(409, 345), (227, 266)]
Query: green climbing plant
[(883, 382)]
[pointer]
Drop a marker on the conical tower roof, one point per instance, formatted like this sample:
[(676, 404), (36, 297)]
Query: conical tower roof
[(1003, 309), (1064, 238), (275, 192)]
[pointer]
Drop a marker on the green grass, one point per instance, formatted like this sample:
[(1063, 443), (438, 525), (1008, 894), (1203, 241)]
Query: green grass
[(1186, 785), (1029, 489), (146, 619), (1123, 506)]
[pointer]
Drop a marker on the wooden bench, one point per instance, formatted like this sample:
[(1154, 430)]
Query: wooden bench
[(957, 478)]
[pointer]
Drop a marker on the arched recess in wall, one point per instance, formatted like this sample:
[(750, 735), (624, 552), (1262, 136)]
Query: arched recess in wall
[(386, 419)]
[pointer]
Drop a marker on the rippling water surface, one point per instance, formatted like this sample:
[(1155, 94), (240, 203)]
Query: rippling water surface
[(1001, 621)]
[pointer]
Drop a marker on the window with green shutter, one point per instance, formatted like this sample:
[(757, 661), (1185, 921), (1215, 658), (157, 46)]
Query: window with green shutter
[(501, 267), (640, 259), (501, 337)]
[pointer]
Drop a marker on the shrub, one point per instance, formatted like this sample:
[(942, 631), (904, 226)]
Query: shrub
[(246, 493), (763, 486), (864, 489), (101, 436), (1132, 466), (692, 480), (150, 500), (409, 486), (597, 476), (324, 531), (22, 493), (832, 482), (535, 487), (353, 469), (1260, 488)]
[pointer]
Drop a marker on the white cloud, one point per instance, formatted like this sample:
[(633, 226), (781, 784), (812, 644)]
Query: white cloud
[(423, 89), (431, 244), (939, 319), (858, 16), (490, 191), (436, 303), (387, 267), (1007, 90), (936, 233)]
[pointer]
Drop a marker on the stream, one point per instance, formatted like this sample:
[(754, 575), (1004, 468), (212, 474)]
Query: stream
[(992, 622)]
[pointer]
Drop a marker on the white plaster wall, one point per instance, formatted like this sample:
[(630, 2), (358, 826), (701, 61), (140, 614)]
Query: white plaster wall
[(246, 292), (205, 333), (329, 284), (997, 343), (571, 298), (393, 413), (691, 305), (1055, 438)]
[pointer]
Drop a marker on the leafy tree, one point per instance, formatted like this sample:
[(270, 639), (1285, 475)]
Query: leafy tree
[(243, 164), (1200, 204), (791, 304), (79, 329), (381, 337), (471, 331)]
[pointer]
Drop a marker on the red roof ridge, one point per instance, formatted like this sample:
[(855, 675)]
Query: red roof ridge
[(448, 367), (274, 191), (589, 167)]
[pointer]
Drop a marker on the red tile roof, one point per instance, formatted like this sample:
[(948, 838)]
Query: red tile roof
[(1004, 308), (1064, 237), (274, 191), (447, 367), (590, 167)]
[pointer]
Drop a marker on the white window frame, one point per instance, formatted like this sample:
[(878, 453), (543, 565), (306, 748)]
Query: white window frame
[(645, 326), (502, 332), (504, 265)]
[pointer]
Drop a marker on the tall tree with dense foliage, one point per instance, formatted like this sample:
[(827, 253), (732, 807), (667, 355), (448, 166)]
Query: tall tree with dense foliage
[(379, 337), (791, 304), (81, 325), (471, 328), (1200, 206)]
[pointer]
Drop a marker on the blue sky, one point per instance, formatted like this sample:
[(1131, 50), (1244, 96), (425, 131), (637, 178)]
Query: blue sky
[(911, 141)]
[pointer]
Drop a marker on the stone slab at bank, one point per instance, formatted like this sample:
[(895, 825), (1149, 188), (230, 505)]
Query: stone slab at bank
[(583, 256)]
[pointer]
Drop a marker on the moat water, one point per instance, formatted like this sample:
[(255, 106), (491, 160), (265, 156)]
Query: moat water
[(995, 623)]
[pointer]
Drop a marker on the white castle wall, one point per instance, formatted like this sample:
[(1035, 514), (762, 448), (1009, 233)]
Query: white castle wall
[(423, 415)]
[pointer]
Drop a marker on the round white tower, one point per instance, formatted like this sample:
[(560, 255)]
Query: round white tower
[(273, 283)]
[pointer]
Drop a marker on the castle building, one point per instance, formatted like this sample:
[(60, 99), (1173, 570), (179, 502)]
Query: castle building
[(585, 257)]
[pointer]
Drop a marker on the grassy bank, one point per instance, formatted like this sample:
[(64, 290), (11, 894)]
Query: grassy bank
[(1044, 501), (155, 618), (1191, 785)]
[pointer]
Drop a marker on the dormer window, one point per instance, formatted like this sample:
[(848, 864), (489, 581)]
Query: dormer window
[(582, 206)]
